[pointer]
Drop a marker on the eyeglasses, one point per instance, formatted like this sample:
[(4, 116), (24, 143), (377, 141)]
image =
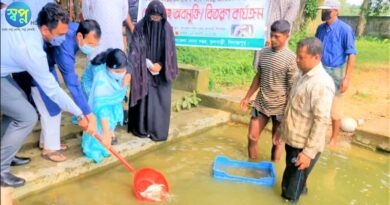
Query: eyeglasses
[(155, 17)]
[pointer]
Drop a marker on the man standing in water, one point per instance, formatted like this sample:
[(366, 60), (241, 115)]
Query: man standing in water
[(273, 79), (306, 118)]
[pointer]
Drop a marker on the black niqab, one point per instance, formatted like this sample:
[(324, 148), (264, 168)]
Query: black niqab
[(154, 32), (147, 44)]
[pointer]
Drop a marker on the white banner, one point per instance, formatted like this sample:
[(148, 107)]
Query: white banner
[(238, 24)]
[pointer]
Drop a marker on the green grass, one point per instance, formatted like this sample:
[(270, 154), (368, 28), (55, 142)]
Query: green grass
[(232, 68), (227, 67), (372, 52)]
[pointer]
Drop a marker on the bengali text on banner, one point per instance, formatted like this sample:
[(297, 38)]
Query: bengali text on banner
[(236, 24)]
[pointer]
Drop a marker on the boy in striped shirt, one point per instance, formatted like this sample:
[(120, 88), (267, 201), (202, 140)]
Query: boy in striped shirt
[(275, 72)]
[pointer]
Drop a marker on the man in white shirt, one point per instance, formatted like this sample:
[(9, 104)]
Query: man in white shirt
[(306, 118), (22, 50)]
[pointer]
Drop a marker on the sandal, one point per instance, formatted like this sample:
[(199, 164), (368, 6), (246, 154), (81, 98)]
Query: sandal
[(63, 147), (53, 156)]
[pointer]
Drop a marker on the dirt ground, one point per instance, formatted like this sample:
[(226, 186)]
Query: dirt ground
[(368, 96)]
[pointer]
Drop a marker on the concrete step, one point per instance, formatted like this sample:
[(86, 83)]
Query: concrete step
[(41, 174), (70, 131)]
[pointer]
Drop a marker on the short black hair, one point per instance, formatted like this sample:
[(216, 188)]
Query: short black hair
[(88, 26), (50, 15), (281, 26), (314, 45)]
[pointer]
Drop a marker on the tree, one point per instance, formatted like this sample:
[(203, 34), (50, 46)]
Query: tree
[(378, 7), (307, 11), (362, 18), (370, 8)]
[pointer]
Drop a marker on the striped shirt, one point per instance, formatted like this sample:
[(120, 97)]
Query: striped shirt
[(307, 114), (277, 69)]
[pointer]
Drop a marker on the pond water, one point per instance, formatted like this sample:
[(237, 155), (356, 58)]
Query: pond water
[(348, 175)]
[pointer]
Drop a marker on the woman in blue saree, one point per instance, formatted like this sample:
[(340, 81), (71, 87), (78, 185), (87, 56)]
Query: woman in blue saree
[(105, 82)]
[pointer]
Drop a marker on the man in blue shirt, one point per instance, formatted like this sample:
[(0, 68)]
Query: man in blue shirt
[(339, 49), (84, 37), (22, 51)]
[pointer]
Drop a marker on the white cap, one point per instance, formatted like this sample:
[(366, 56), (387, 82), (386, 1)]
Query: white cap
[(330, 4)]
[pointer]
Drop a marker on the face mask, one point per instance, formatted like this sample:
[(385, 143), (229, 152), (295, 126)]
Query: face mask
[(57, 41), (117, 76), (325, 15), (87, 50)]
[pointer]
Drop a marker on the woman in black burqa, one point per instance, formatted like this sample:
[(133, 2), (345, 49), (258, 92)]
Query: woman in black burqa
[(151, 85)]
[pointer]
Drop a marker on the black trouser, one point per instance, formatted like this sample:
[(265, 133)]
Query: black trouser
[(294, 180)]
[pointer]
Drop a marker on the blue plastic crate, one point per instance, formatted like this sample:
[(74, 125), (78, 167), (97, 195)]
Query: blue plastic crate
[(266, 171)]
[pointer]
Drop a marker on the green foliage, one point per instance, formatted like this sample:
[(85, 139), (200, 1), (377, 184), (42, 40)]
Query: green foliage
[(212, 84), (187, 102), (375, 8), (378, 7), (294, 39), (311, 9)]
